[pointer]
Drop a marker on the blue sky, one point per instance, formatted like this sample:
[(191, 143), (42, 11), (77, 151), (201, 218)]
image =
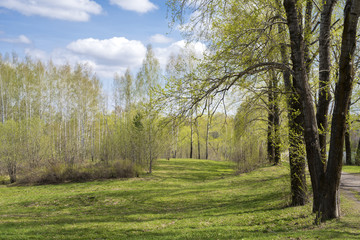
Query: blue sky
[(108, 35)]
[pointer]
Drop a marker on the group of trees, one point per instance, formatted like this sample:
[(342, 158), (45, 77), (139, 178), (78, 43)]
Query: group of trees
[(48, 114), (297, 53), (56, 124)]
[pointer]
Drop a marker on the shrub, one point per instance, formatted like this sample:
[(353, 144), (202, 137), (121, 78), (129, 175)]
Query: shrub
[(58, 173)]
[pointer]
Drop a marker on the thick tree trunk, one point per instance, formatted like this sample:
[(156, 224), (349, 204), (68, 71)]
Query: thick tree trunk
[(297, 154), (301, 85), (324, 75), (329, 207), (296, 140)]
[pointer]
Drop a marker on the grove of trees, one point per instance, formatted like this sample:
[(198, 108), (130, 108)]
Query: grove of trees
[(311, 46)]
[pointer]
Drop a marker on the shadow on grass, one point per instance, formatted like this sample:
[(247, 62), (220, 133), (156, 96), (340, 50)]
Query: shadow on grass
[(183, 199)]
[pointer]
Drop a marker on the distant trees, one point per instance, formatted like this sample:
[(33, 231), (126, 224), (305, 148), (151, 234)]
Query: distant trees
[(53, 122)]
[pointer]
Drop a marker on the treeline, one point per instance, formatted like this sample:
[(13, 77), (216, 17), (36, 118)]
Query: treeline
[(56, 125), (52, 120)]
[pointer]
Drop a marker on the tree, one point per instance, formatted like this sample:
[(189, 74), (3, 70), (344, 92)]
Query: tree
[(244, 43), (325, 183), (148, 79)]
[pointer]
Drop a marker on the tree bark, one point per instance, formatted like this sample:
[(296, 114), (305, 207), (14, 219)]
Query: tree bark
[(191, 136), (347, 146), (270, 133), (302, 88), (329, 207), (198, 139), (324, 75), (12, 171), (357, 157), (208, 125), (276, 109), (347, 140), (273, 138), (296, 140)]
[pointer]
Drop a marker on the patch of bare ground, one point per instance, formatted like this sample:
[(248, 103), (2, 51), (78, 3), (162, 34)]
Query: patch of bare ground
[(350, 187)]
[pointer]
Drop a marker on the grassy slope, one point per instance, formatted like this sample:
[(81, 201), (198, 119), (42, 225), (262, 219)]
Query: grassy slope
[(183, 199)]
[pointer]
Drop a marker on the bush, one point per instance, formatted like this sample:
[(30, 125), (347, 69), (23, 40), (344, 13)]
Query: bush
[(58, 173)]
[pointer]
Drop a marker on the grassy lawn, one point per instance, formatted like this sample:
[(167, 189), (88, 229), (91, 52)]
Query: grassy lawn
[(351, 169), (182, 199)]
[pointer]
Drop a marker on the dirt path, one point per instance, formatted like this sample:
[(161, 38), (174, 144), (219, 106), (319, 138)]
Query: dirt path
[(350, 185)]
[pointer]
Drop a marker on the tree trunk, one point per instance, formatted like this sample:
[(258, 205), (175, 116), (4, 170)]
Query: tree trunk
[(347, 140), (302, 88), (357, 157), (270, 133), (297, 153), (277, 140), (191, 136), (329, 207), (208, 125), (324, 75), (296, 140), (198, 139), (347, 146), (12, 171)]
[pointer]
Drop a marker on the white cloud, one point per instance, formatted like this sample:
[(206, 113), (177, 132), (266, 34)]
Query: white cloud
[(113, 51), (36, 54), (159, 38), (20, 39), (140, 6), (163, 54), (71, 10), (109, 56)]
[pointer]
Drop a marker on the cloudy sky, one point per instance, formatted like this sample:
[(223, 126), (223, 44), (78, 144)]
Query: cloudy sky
[(109, 35)]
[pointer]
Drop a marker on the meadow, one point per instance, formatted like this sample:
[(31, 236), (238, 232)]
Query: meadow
[(182, 199)]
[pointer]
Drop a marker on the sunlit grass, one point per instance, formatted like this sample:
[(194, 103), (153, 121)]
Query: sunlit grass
[(182, 199), (351, 169)]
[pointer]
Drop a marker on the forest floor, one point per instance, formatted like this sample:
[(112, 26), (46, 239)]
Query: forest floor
[(182, 199)]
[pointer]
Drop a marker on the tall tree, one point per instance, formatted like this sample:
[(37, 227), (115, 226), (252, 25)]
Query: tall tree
[(148, 79)]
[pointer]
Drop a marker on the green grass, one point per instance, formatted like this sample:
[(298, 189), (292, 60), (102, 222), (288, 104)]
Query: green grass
[(351, 169), (182, 199)]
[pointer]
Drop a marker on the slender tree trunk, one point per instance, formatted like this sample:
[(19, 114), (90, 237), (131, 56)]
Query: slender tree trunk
[(347, 140), (12, 172), (208, 125), (176, 141), (2, 101), (270, 133), (357, 157), (276, 109), (191, 135), (330, 207), (347, 146), (198, 138)]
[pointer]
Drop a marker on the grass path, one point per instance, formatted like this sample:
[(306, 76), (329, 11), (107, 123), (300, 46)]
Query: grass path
[(182, 199)]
